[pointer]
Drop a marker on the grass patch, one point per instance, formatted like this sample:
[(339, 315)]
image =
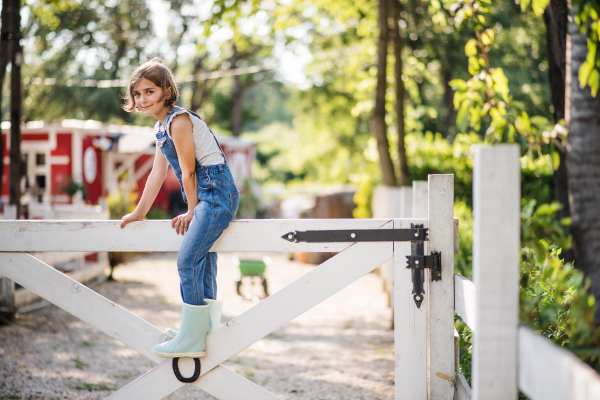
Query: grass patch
[(86, 343), (94, 387), (10, 396), (78, 363)]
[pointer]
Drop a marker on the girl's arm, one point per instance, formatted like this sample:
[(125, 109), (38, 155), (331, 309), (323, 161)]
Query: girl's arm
[(155, 180), (181, 132)]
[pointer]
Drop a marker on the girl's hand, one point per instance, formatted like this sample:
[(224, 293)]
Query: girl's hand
[(130, 218), (181, 223)]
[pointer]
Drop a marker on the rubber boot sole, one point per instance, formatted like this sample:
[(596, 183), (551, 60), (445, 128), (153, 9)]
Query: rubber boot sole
[(169, 355)]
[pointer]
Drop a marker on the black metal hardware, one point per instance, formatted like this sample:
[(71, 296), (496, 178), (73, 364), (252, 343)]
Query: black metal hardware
[(434, 261), (436, 269), (180, 377), (358, 235), (417, 262), (417, 249)]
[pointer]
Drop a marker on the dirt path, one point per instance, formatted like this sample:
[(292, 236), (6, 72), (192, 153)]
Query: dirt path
[(341, 349)]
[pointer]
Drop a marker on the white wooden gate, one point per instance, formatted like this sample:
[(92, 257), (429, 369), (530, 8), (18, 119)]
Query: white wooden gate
[(424, 363)]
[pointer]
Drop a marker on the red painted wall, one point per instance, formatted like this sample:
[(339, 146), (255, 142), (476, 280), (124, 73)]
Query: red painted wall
[(94, 188), (61, 174)]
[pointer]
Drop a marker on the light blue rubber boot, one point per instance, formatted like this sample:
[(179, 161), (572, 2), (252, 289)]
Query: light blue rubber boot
[(215, 308), (191, 339)]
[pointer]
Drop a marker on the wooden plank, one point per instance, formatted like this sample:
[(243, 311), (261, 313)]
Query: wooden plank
[(107, 316), (456, 350), (80, 301), (225, 384), (25, 296), (157, 235), (279, 308), (410, 328), (549, 372), (419, 202), (465, 296), (155, 384), (221, 382), (463, 391), (496, 259), (295, 299), (441, 292)]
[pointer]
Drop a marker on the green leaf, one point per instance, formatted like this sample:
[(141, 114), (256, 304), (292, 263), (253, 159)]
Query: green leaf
[(539, 6), (471, 48), (462, 120), (500, 83), (474, 66), (524, 4), (458, 84), (594, 81), (555, 159), (584, 73)]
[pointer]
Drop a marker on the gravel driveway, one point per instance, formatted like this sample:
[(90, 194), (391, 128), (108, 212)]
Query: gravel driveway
[(340, 349)]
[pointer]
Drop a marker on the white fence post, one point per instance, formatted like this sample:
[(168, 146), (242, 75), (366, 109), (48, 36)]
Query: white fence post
[(419, 199), (410, 327), (391, 202), (496, 255), (441, 292)]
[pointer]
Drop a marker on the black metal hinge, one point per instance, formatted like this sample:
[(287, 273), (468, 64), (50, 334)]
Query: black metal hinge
[(358, 235), (434, 261)]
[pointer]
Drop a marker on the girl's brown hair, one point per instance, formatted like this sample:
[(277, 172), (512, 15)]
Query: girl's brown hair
[(158, 73)]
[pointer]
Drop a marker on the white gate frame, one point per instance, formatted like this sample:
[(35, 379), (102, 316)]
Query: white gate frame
[(353, 261)]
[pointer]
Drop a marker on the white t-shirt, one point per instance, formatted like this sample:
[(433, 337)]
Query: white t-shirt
[(206, 147)]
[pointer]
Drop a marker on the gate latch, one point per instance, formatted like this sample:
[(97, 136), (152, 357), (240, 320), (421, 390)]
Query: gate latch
[(433, 262)]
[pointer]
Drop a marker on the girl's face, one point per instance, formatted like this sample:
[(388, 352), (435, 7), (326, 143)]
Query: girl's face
[(147, 97)]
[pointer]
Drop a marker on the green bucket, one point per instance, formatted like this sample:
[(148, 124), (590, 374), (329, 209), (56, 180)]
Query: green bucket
[(252, 267)]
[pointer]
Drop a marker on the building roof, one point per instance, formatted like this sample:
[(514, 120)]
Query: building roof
[(131, 138)]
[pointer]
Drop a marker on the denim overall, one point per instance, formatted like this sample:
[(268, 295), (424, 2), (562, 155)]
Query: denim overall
[(218, 200)]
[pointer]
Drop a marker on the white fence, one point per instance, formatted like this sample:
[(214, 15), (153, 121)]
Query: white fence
[(507, 356), (73, 264), (424, 336)]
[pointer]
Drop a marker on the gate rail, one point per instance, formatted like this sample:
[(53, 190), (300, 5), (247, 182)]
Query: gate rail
[(353, 261)]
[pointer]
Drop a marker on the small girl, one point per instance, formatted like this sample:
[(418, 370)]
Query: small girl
[(184, 141)]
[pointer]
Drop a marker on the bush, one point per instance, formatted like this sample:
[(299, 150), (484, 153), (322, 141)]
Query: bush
[(120, 203)]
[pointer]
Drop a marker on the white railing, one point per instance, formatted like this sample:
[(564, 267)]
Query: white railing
[(353, 261), (507, 356)]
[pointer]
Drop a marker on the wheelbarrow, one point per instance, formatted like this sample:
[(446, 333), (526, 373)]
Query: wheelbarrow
[(254, 270)]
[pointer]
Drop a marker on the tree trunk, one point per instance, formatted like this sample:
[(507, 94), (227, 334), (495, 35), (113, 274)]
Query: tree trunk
[(194, 106), (583, 164), (555, 17), (4, 58), (448, 111), (378, 124), (236, 99), (404, 178), (16, 58)]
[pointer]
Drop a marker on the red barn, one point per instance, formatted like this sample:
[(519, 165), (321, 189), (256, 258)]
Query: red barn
[(61, 157)]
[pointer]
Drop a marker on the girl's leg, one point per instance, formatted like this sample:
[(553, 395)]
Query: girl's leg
[(207, 225), (210, 276)]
